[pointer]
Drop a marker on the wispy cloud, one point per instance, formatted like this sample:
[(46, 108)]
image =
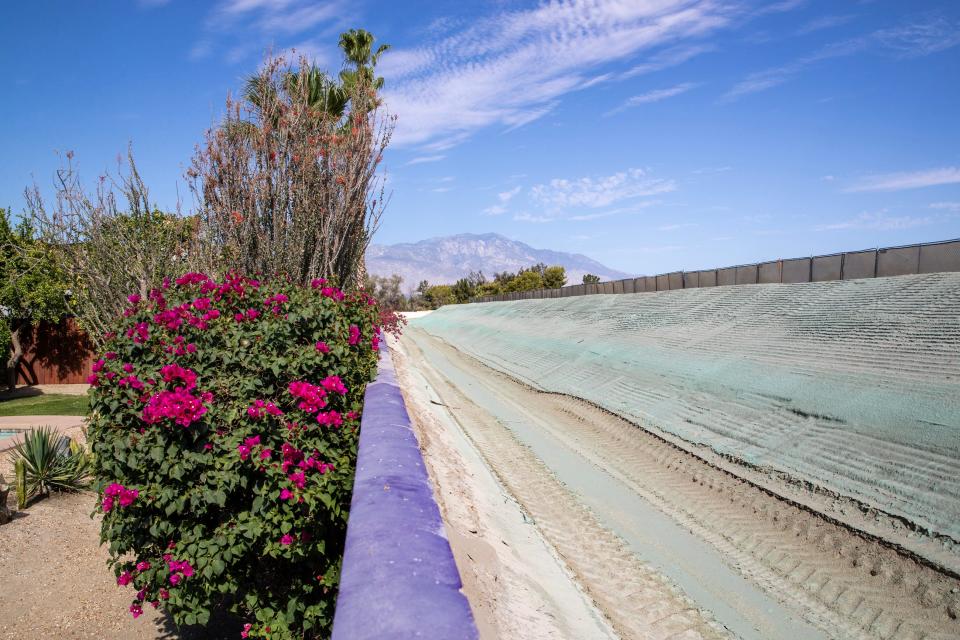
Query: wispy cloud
[(507, 196), (953, 207), (592, 193), (511, 69), (916, 39), (880, 221), (248, 27), (824, 22), (668, 58), (677, 226), (655, 95), (634, 209), (530, 217), (907, 180), (423, 159), (495, 210)]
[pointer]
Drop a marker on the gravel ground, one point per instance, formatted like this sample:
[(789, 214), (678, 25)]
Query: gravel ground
[(54, 582)]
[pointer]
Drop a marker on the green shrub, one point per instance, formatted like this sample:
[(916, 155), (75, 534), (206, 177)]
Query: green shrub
[(224, 427), (47, 461)]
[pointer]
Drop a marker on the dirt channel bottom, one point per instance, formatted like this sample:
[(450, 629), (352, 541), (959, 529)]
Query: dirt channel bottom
[(660, 542)]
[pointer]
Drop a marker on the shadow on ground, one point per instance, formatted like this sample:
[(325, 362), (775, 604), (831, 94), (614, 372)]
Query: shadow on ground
[(222, 625)]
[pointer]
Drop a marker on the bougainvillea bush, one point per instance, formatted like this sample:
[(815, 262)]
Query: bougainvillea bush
[(224, 426)]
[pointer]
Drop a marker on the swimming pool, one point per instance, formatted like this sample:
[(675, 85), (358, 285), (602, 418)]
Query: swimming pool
[(5, 432)]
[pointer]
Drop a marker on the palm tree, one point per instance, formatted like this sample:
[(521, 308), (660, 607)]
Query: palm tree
[(357, 46)]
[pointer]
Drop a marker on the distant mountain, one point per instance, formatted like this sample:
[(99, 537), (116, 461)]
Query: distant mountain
[(445, 260)]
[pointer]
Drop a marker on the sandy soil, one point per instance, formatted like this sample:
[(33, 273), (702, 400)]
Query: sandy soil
[(517, 584), (662, 537)]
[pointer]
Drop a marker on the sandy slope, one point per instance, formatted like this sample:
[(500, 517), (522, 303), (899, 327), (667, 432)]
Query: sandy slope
[(849, 390)]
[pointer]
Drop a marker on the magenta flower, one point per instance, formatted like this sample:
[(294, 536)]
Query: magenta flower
[(125, 578), (244, 451), (143, 565), (285, 494), (175, 579), (354, 334), (329, 419), (287, 539), (136, 610), (110, 355), (322, 347), (265, 454), (128, 367), (181, 406), (133, 298), (335, 384), (246, 630)]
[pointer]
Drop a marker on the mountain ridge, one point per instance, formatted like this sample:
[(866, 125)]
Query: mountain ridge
[(445, 259)]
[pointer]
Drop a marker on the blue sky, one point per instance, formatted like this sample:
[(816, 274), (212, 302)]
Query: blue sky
[(651, 135)]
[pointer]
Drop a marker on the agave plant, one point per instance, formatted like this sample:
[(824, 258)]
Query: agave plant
[(47, 461)]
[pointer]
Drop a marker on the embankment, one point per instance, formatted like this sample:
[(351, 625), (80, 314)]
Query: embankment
[(848, 391)]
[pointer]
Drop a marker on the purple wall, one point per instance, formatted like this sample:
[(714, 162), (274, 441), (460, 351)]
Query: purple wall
[(399, 578)]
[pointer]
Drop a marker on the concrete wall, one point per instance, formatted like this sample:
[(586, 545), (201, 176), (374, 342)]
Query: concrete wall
[(933, 257), (399, 579)]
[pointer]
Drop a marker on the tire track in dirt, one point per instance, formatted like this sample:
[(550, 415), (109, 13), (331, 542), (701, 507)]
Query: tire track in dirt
[(639, 602), (846, 583)]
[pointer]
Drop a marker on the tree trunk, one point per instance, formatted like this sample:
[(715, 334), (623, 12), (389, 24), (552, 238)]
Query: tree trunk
[(16, 353)]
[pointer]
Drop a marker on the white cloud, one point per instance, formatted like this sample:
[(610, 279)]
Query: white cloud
[(654, 96), (507, 196), (529, 217), (908, 180), (251, 27), (878, 221), (512, 68), (668, 58), (677, 226), (917, 39), (593, 193), (423, 159), (495, 210), (953, 207), (824, 22)]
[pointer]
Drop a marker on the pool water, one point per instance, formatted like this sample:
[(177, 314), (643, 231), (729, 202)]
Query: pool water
[(4, 434)]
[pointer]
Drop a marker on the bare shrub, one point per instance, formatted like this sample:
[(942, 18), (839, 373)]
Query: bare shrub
[(110, 243), (288, 183)]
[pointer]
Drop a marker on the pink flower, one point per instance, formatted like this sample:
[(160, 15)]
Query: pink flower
[(133, 298), (175, 579), (143, 565), (93, 379), (322, 347), (173, 372), (244, 451), (330, 419), (125, 579), (136, 610), (128, 496), (164, 594), (354, 334), (285, 494), (299, 479), (181, 406), (128, 367), (265, 454), (335, 384), (287, 539), (318, 282), (110, 355), (98, 365), (311, 396), (246, 630), (191, 348)]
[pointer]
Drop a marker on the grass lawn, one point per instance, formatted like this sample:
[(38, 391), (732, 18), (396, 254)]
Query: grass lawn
[(53, 404)]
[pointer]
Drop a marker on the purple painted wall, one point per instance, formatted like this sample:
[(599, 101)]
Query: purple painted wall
[(399, 578)]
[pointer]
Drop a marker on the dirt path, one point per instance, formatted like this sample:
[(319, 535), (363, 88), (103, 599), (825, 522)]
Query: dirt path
[(666, 542)]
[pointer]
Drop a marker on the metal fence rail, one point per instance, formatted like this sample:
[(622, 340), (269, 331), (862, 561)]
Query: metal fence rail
[(929, 257)]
